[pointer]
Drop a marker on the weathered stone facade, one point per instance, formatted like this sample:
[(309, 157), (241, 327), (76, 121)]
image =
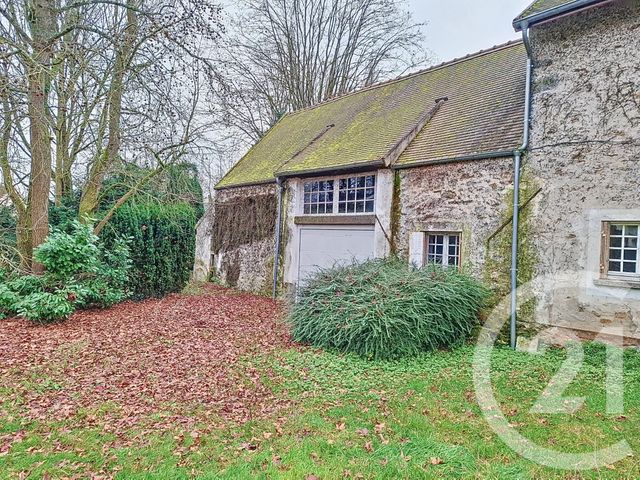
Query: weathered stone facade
[(585, 156), (469, 197), (248, 266), (202, 265)]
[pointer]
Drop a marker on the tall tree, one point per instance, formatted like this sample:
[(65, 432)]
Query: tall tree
[(285, 55), (89, 87)]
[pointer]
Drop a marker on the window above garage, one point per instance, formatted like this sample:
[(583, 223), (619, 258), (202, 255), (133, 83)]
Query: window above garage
[(345, 195)]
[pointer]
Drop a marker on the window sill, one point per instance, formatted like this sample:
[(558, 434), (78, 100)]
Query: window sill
[(360, 219), (633, 283)]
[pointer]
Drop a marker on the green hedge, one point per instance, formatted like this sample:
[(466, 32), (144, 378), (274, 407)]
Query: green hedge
[(385, 309), (162, 245)]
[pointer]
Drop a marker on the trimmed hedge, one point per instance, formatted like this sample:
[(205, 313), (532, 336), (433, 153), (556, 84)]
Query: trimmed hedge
[(385, 309), (162, 245)]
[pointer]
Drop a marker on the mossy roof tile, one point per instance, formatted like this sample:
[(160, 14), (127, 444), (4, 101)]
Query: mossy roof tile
[(541, 6), (483, 113)]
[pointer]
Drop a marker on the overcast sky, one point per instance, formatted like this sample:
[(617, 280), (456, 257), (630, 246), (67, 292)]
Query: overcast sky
[(458, 27)]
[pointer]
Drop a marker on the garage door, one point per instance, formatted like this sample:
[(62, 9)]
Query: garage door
[(324, 247)]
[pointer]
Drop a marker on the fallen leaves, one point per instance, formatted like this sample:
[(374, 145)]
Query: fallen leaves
[(165, 355)]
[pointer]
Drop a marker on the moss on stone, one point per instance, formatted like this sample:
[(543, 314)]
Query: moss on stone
[(396, 212), (497, 269)]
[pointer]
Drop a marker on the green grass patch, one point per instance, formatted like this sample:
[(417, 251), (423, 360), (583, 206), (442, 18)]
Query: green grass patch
[(411, 418)]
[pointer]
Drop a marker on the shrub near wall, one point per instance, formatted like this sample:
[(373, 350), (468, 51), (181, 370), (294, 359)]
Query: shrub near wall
[(162, 245), (385, 309)]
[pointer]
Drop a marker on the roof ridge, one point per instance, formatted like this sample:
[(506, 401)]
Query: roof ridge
[(454, 61)]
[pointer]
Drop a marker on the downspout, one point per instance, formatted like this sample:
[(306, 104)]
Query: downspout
[(517, 161), (276, 257)]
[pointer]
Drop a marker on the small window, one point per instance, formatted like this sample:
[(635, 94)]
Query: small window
[(357, 194), (443, 249), (318, 197), (621, 252)]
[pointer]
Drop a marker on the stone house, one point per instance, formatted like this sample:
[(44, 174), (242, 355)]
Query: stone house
[(584, 159), (430, 166)]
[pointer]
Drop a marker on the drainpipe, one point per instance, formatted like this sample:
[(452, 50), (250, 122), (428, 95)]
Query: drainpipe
[(276, 257), (517, 160)]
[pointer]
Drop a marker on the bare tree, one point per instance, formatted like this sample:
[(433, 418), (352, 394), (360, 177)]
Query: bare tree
[(288, 54), (98, 85)]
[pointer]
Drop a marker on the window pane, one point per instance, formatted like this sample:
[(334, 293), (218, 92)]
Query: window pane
[(370, 193), (361, 182), (314, 209), (371, 181), (629, 267), (369, 207), (614, 267), (632, 230), (615, 254), (329, 207), (350, 207), (616, 242), (631, 255), (342, 208), (307, 187), (360, 194), (321, 197), (307, 209), (616, 229), (453, 261), (359, 207), (629, 242)]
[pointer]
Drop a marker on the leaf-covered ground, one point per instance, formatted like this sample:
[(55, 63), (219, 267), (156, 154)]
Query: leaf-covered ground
[(208, 385), (171, 355)]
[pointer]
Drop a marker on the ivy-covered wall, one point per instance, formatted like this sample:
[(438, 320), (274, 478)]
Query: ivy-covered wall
[(243, 232)]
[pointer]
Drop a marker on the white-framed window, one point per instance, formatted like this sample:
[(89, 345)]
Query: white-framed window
[(443, 248), (356, 195), (318, 197), (621, 249)]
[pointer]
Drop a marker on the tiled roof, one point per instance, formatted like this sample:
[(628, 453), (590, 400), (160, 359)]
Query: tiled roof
[(483, 114), (551, 8), (540, 6)]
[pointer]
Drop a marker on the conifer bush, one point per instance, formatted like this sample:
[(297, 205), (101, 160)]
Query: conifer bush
[(386, 309), (162, 245)]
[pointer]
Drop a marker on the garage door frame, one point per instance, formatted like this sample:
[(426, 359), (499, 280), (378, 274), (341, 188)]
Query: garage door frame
[(358, 227)]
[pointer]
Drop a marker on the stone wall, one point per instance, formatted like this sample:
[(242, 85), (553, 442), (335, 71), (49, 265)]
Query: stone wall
[(585, 155), (248, 266), (202, 264), (471, 197)]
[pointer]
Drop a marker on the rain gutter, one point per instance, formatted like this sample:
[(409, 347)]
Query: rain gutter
[(553, 13)]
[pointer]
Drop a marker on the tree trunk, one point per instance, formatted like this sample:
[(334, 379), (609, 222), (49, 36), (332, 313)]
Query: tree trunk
[(43, 26), (91, 194), (23, 230), (23, 240)]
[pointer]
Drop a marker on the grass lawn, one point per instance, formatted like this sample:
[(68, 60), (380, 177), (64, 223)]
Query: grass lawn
[(207, 385)]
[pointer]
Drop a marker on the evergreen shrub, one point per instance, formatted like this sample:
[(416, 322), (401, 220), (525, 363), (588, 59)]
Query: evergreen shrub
[(386, 309), (162, 245)]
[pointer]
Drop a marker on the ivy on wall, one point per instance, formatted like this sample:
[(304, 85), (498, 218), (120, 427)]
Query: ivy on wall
[(243, 221)]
